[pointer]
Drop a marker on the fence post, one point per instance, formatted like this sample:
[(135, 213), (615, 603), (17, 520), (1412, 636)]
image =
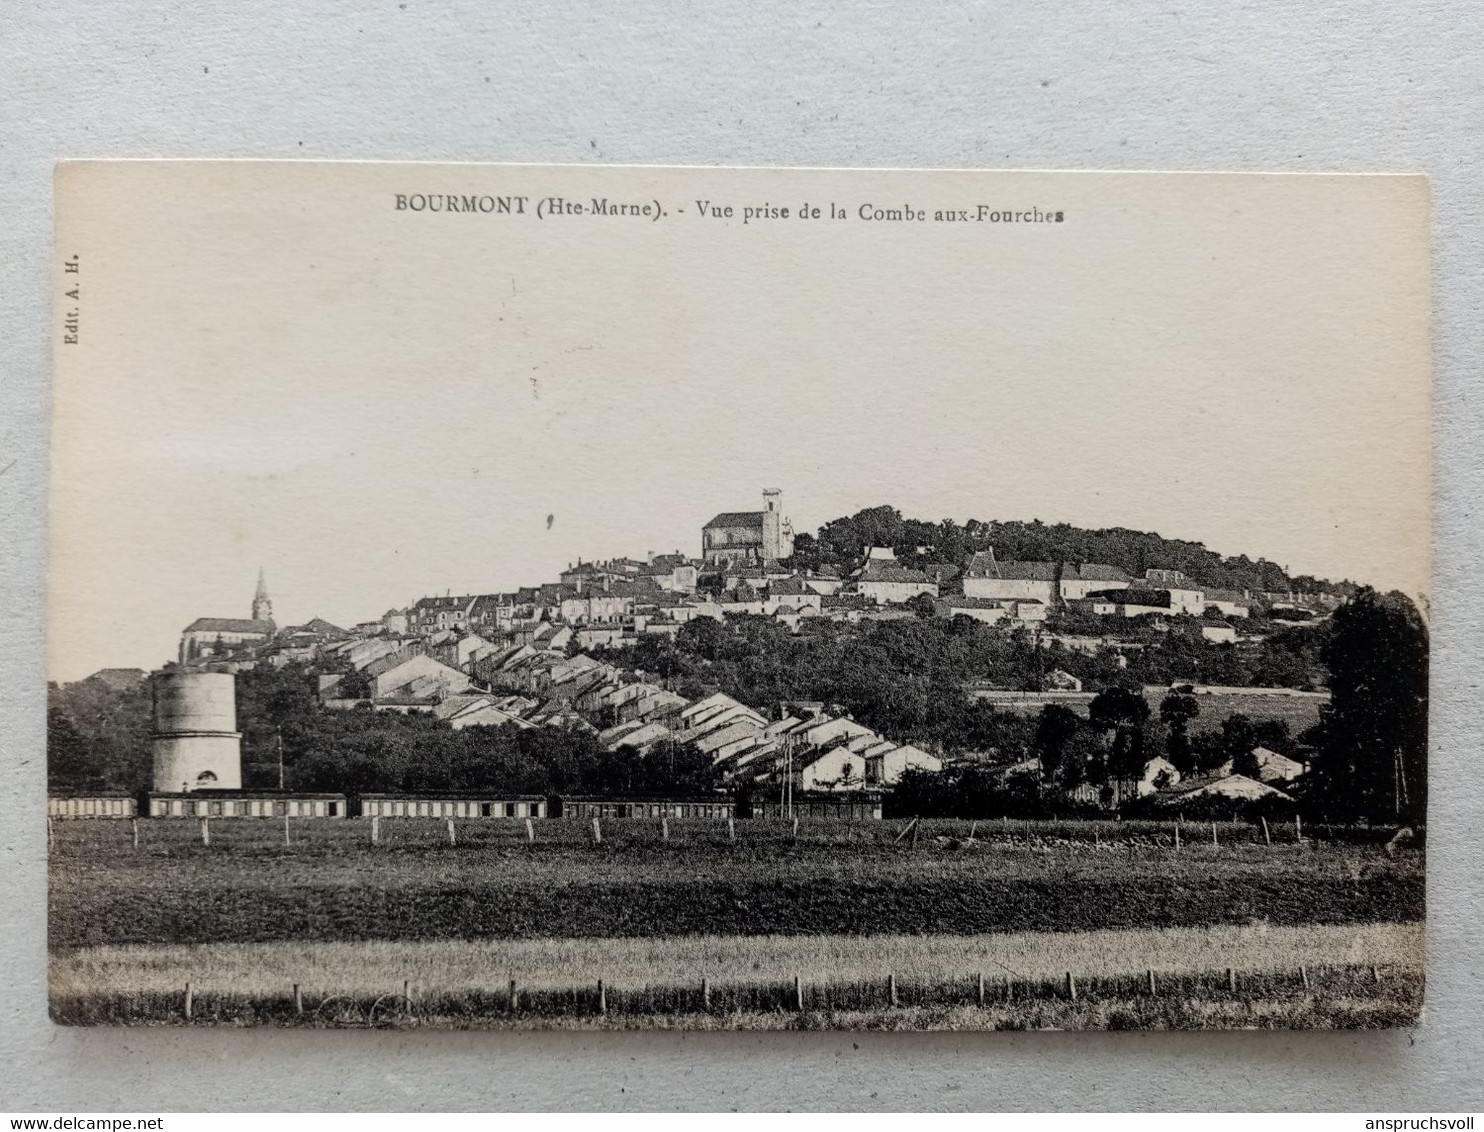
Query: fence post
[(705, 993), (286, 839), (1298, 829), (375, 828), (530, 832), (973, 825), (1071, 987), (597, 832), (298, 1000), (664, 829), (1231, 979), (1177, 837), (891, 989), (979, 989), (135, 823), (1304, 976), (205, 832), (602, 998), (798, 994), (1152, 989), (731, 829), (1214, 843), (1375, 973), (190, 1001), (1266, 836), (796, 829), (51, 835), (514, 998), (453, 838)]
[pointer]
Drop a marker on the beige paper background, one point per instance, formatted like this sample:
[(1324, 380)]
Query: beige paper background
[(278, 368)]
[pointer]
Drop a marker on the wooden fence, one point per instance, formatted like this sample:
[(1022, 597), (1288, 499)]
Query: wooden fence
[(511, 1002)]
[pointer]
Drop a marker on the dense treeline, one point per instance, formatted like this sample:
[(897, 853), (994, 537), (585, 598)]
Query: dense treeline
[(910, 678), (1372, 737), (97, 736), (903, 678), (99, 739), (841, 544), (1368, 753)]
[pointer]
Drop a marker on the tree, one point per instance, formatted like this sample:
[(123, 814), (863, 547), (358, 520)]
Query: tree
[(1238, 736), (1372, 757), (1272, 733), (679, 770), (70, 759), (1054, 731), (1246, 764), (705, 637), (924, 605), (806, 555), (98, 736), (1123, 712), (1177, 711)]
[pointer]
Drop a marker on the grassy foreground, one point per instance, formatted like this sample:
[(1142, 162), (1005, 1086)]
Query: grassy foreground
[(934, 930), (1333, 997), (459, 966)]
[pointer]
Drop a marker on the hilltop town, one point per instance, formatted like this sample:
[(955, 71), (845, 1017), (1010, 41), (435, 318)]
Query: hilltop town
[(880, 651)]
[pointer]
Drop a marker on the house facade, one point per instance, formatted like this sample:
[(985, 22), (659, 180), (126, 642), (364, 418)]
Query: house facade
[(884, 581), (435, 614), (985, 577)]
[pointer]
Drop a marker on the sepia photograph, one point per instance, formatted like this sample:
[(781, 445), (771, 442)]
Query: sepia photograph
[(635, 598)]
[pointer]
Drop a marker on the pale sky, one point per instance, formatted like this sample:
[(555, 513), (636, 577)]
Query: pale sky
[(279, 369)]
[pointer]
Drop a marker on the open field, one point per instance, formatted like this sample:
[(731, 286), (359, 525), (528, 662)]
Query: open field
[(1300, 712), (460, 966), (701, 931), (331, 884)]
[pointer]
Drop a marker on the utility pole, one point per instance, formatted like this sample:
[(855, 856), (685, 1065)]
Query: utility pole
[(789, 781)]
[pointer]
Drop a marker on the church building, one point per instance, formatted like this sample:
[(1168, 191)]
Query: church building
[(743, 538), (217, 636)]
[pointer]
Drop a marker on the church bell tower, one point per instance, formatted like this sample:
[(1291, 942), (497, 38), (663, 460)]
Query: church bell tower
[(262, 606)]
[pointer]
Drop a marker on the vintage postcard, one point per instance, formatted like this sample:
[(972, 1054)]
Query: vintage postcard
[(610, 597)]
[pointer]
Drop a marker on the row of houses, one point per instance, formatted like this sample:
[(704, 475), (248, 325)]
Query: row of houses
[(536, 683), (807, 745), (1163, 786)]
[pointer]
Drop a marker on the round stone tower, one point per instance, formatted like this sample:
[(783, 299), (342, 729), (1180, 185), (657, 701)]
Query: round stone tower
[(196, 743)]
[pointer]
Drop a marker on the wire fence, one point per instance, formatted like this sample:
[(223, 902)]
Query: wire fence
[(71, 837)]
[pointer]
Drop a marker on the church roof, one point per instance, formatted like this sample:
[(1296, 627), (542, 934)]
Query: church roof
[(230, 625), (736, 519)]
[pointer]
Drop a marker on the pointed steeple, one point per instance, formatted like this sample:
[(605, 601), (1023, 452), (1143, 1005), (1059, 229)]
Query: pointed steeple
[(262, 606)]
